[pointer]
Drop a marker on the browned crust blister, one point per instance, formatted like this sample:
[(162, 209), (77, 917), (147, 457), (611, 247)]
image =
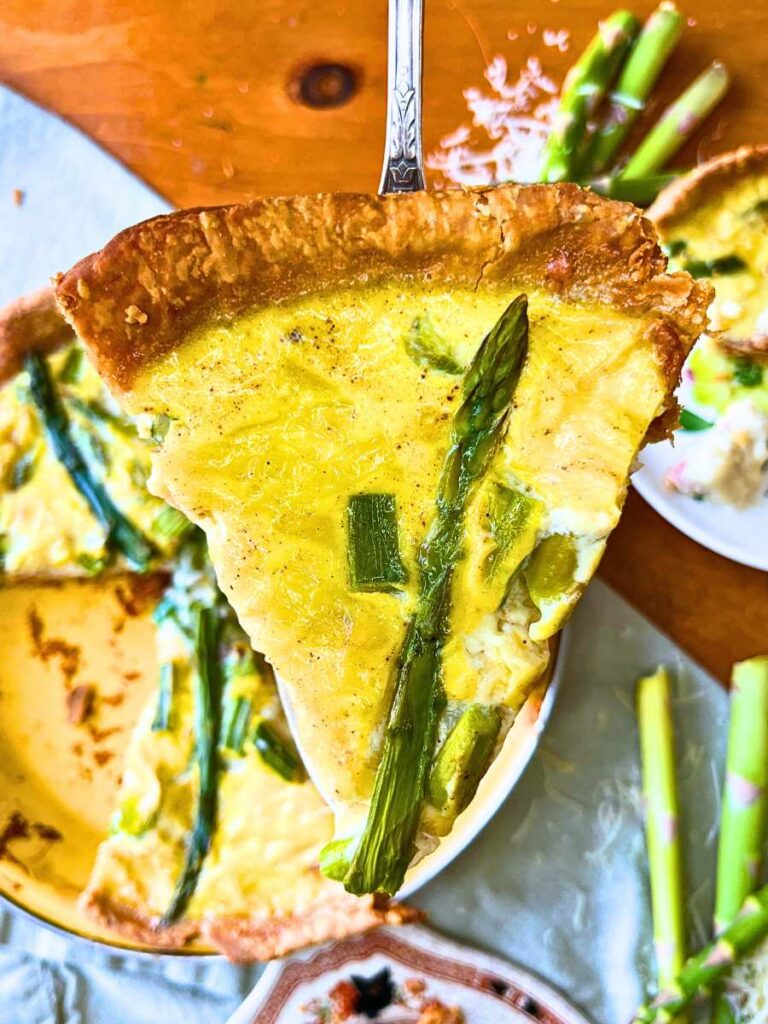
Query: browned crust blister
[(139, 297), (33, 323), (245, 939)]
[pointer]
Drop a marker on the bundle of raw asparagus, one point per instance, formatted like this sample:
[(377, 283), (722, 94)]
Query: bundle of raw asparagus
[(741, 913), (605, 92)]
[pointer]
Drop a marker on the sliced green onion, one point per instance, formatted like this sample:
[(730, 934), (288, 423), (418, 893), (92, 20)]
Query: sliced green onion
[(171, 523), (276, 753), (675, 247), (747, 373), (722, 265), (235, 719), (21, 471), (428, 348), (690, 421), (166, 687), (373, 553), (72, 368)]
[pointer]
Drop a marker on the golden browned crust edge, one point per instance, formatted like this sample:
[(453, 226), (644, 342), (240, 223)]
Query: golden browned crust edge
[(33, 323), (244, 939), (755, 347), (679, 198), (140, 296), (134, 924)]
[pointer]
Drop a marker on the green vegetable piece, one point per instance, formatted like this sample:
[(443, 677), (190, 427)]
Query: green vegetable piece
[(276, 753), (722, 265), (678, 122), (551, 569), (165, 691), (646, 60), (463, 760), (747, 373), (130, 818), (94, 565), (676, 247), (373, 553), (386, 846), (122, 534), (585, 85), (98, 414), (171, 523), (427, 348), (235, 719), (71, 370), (640, 191), (159, 427), (207, 703), (21, 471), (509, 514), (335, 859), (690, 421), (657, 749)]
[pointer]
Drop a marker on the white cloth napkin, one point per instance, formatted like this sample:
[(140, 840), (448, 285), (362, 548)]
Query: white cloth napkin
[(556, 882)]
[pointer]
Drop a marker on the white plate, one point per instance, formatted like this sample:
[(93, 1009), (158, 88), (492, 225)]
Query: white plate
[(487, 989), (738, 534)]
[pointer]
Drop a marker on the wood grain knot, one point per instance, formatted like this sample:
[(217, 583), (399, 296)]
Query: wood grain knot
[(324, 85)]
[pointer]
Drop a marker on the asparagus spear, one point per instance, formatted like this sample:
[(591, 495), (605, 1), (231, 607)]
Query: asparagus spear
[(383, 852), (654, 718), (463, 759), (275, 752), (678, 122), (648, 55), (742, 827), (585, 85), (640, 191), (208, 688), (121, 532), (701, 971)]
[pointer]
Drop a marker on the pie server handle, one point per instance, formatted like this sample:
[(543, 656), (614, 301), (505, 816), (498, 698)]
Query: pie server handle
[(403, 169)]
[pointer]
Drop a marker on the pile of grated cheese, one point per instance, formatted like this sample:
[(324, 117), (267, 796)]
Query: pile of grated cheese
[(510, 123)]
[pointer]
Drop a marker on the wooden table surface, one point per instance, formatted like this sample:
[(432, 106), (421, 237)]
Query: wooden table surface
[(207, 101)]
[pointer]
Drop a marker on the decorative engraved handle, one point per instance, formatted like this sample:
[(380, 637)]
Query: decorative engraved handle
[(403, 163)]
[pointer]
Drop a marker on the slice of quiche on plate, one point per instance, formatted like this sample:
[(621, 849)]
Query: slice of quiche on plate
[(713, 484), (406, 425)]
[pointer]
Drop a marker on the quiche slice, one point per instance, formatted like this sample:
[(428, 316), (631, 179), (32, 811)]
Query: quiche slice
[(714, 223), (227, 853), (73, 471), (406, 425)]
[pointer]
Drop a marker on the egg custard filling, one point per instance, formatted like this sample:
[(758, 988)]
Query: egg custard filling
[(405, 425), (56, 519)]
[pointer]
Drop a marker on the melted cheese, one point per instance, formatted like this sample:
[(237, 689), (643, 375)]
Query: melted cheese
[(278, 417)]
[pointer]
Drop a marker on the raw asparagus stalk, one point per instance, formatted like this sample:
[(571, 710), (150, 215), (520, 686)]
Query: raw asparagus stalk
[(207, 703), (654, 716), (742, 826), (678, 122), (386, 847), (122, 534), (585, 85), (647, 58), (640, 191), (700, 972)]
